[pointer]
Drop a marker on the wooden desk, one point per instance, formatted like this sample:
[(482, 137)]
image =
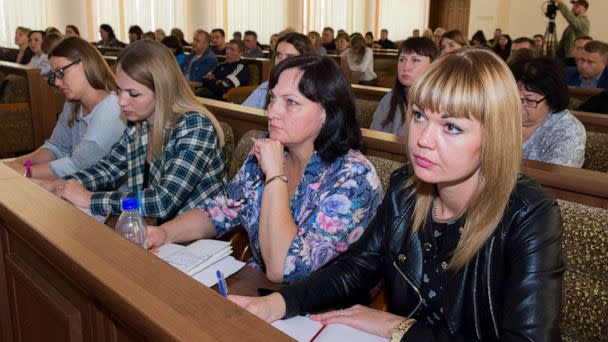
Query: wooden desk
[(66, 277)]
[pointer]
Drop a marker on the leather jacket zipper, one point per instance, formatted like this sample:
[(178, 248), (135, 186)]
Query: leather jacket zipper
[(413, 286), (490, 289)]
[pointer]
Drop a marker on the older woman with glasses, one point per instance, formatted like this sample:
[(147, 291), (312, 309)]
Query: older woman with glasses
[(90, 122), (551, 133)]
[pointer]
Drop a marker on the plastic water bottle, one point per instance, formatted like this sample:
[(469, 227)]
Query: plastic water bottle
[(130, 223)]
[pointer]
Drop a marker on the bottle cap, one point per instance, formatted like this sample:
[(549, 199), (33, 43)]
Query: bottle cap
[(129, 203)]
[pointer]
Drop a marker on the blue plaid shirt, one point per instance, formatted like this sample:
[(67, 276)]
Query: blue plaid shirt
[(191, 169)]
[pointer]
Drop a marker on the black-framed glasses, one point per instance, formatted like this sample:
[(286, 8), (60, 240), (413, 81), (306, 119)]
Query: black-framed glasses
[(59, 73), (529, 103)]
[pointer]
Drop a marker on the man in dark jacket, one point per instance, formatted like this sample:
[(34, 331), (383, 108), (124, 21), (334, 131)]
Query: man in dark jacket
[(229, 74)]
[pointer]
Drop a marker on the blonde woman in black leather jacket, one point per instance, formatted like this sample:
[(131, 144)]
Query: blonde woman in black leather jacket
[(467, 248)]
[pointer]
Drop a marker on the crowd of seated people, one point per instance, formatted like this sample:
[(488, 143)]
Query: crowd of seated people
[(306, 193)]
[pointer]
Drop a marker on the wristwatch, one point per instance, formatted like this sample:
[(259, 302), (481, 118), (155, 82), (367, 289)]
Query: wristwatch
[(397, 333)]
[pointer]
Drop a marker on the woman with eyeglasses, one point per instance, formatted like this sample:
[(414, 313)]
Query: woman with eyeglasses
[(90, 122), (466, 248), (551, 133), (171, 150)]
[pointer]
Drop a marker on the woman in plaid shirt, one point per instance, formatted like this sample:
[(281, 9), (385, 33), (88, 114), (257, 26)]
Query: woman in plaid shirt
[(171, 148)]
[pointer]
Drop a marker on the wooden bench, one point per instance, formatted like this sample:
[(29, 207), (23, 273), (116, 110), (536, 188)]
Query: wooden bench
[(29, 96), (66, 277)]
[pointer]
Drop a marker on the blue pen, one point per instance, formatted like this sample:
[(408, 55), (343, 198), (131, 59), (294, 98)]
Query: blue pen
[(221, 281), (139, 203)]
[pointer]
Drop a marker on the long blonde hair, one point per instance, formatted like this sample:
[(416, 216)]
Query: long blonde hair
[(153, 65), (477, 84)]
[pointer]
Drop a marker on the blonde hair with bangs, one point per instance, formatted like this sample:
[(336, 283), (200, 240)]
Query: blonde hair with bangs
[(153, 65), (475, 84)]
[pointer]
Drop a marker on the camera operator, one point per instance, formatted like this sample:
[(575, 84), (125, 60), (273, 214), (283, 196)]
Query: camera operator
[(578, 25)]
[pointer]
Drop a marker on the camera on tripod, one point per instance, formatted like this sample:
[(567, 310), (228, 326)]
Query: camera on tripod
[(551, 10)]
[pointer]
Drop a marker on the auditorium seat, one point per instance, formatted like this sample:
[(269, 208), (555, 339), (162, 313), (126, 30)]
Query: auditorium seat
[(585, 247), (238, 95), (243, 147), (228, 149), (16, 132), (596, 152), (384, 168), (365, 111)]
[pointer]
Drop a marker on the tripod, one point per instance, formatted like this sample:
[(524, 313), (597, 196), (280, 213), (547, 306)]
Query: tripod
[(550, 39)]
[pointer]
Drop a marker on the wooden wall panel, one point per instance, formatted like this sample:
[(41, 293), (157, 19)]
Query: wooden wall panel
[(450, 14)]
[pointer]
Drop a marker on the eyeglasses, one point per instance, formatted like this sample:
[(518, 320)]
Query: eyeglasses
[(59, 73), (529, 103)]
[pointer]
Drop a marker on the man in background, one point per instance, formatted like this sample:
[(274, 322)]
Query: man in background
[(384, 42), (227, 75), (218, 41), (327, 40), (252, 50), (578, 25), (591, 67), (201, 60)]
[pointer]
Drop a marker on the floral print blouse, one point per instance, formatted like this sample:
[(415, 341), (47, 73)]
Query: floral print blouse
[(331, 207)]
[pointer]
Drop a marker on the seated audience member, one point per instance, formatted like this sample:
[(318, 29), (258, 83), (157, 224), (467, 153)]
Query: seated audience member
[(304, 193), (39, 58), (289, 45), (160, 34), (171, 150), (496, 36), (452, 41), (539, 43), (479, 40), (52, 29), (466, 247), (272, 45), (551, 133), (503, 46), (384, 42), (252, 50), (24, 55), (437, 35), (315, 39), (150, 35), (108, 38), (342, 43), (327, 38), (522, 43), (414, 57), (218, 41), (180, 35), (135, 33), (360, 59), (231, 73), (591, 67), (90, 122), (427, 33), (172, 42), (369, 39), (577, 48), (236, 35), (202, 60), (72, 31), (416, 33), (521, 54)]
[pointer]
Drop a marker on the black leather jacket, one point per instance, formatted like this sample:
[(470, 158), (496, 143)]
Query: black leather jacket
[(511, 290)]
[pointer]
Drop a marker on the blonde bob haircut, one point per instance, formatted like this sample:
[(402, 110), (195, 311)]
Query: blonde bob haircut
[(475, 84), (152, 64)]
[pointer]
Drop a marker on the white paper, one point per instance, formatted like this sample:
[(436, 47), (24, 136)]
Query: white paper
[(100, 218), (228, 266), (302, 328), (196, 256)]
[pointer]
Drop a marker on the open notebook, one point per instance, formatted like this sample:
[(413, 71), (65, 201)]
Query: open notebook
[(201, 259), (303, 329)]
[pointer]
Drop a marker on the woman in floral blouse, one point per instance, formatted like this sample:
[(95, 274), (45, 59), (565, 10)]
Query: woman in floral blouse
[(306, 192)]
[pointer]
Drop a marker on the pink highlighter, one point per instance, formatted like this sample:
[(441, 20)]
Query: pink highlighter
[(28, 169)]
